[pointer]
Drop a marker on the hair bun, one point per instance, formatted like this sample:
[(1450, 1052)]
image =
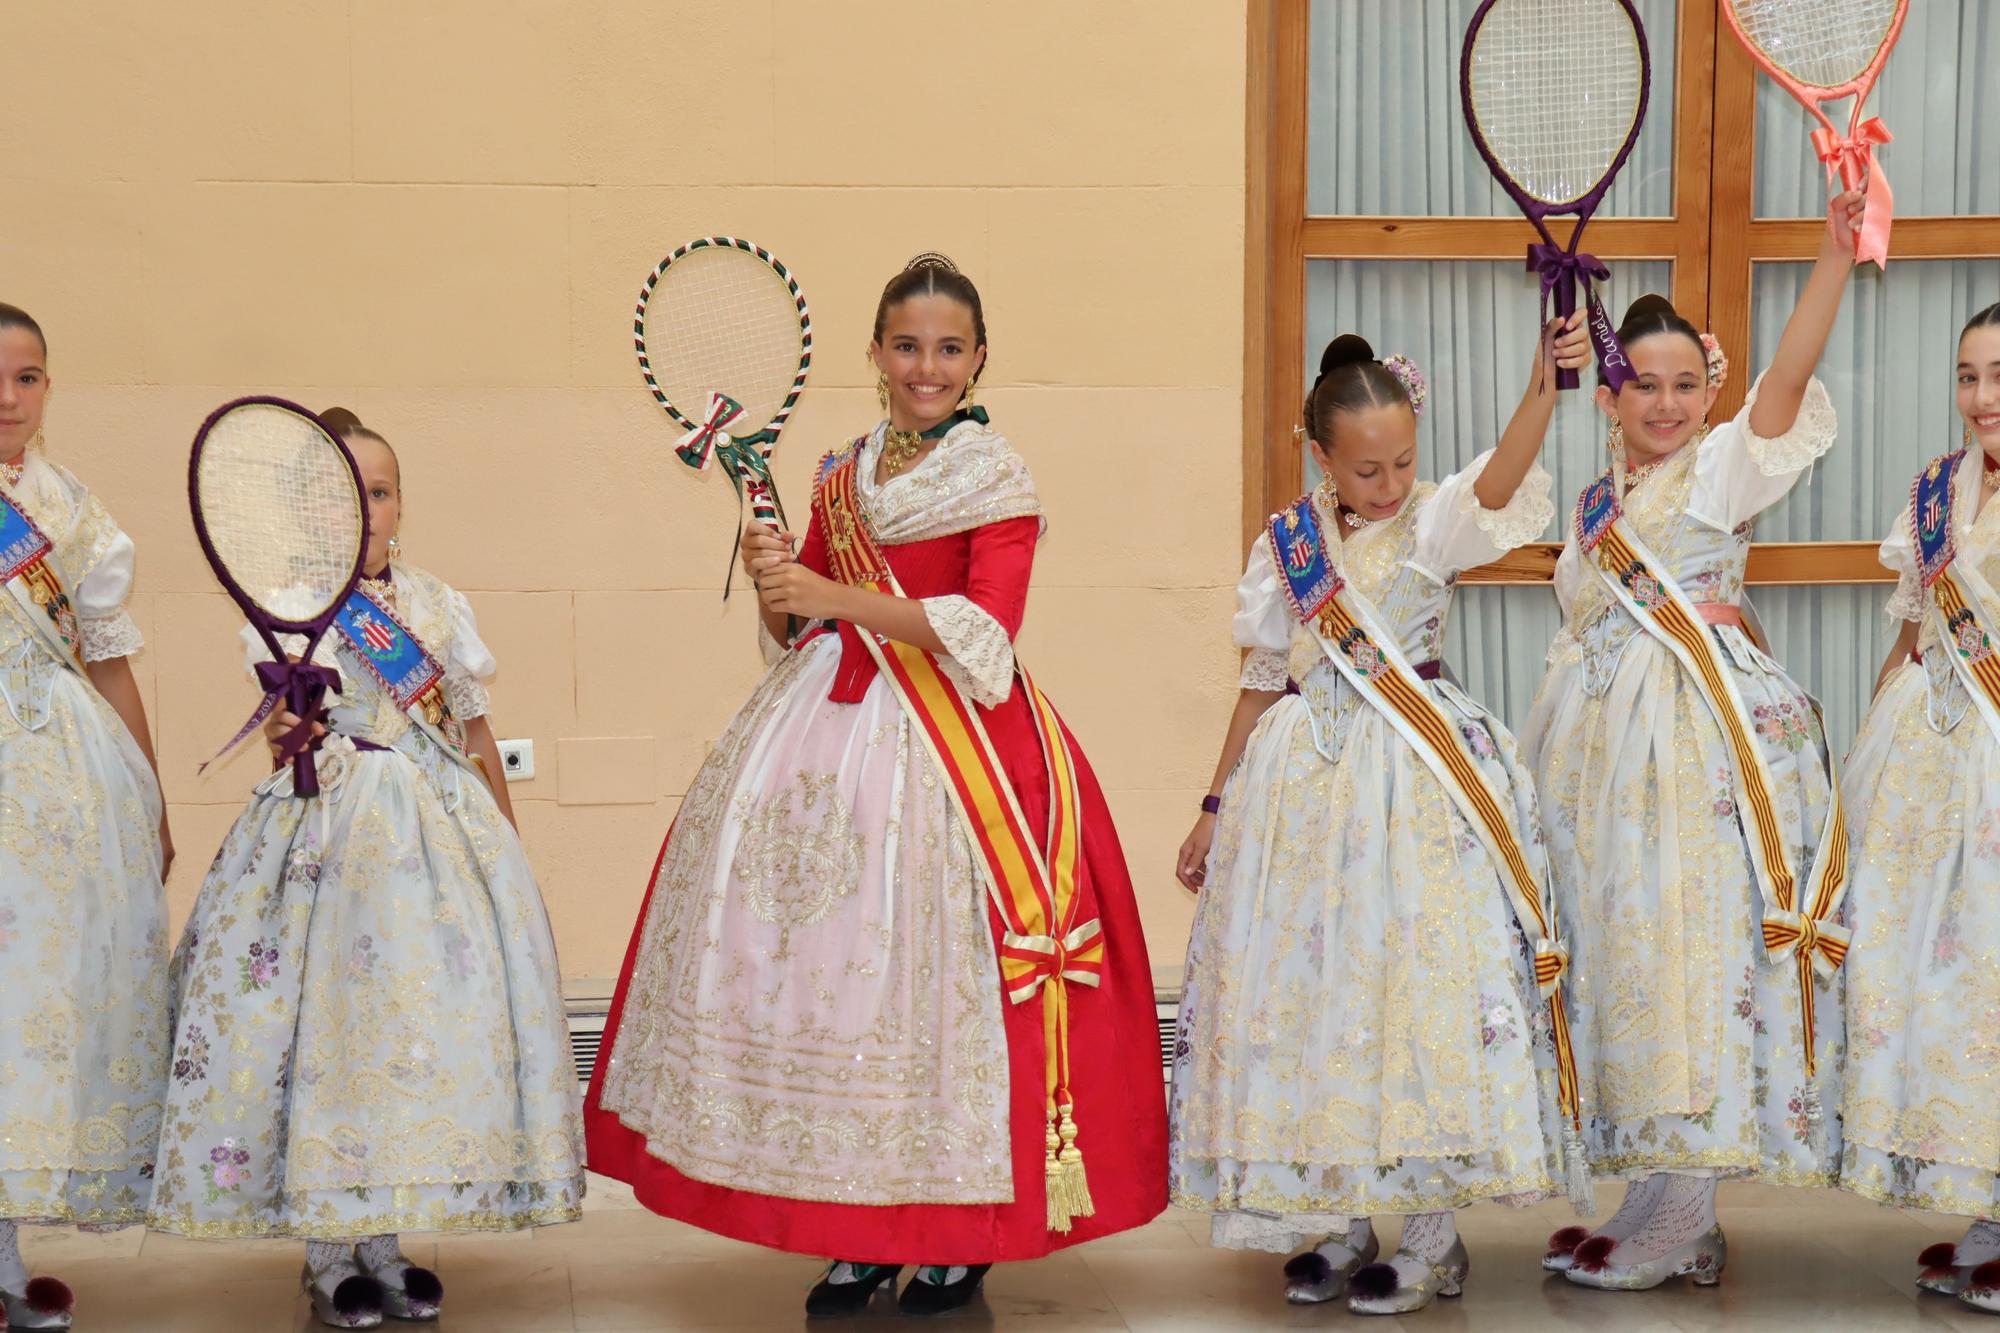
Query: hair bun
[(341, 421), (1652, 303), (931, 259), (1346, 350)]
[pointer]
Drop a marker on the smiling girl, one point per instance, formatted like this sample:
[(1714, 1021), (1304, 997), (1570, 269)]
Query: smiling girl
[(1921, 1117), (1364, 1028), (888, 998), (1683, 778)]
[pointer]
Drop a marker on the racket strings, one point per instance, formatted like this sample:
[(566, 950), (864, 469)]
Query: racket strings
[(723, 321), (1556, 88), (281, 510), (1820, 43)]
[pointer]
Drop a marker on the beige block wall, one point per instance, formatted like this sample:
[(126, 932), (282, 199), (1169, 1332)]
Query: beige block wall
[(438, 213)]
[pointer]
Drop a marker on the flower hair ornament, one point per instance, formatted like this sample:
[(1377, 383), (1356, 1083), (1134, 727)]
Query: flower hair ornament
[(1718, 364), (1406, 370)]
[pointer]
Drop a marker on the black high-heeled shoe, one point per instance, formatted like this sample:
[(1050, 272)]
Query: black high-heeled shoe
[(921, 1298), (843, 1300)]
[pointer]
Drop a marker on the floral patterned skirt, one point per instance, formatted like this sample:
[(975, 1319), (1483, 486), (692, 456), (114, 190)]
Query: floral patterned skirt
[(1922, 1104), (83, 965), (369, 1028), (1360, 1029), (1688, 1042)]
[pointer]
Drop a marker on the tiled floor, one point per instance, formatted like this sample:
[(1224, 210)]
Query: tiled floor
[(1818, 1261)]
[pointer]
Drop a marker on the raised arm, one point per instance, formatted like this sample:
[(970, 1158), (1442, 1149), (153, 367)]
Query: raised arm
[(1564, 345), (1783, 386)]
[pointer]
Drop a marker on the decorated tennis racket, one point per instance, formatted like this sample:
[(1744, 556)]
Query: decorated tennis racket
[(278, 509), (1820, 51), (725, 342), (1554, 94)]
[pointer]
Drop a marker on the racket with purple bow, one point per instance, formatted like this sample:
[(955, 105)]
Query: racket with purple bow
[(278, 509), (1554, 93)]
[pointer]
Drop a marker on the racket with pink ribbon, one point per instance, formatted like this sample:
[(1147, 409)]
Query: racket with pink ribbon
[(1822, 51), (1554, 94), (278, 509), (725, 344)]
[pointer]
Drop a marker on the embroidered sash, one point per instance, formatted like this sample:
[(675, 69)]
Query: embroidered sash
[(29, 571), (1967, 606), (1797, 922), (1369, 659), (1051, 938), (390, 653)]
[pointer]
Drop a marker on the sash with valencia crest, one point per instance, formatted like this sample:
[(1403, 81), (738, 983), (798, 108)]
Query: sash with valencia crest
[(1052, 938), (1369, 659), (390, 653), (28, 569), (1968, 610)]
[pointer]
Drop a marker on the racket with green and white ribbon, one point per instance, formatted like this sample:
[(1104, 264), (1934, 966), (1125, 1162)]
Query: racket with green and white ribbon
[(725, 343)]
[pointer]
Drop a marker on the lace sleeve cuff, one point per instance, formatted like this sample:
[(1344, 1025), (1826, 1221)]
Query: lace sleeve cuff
[(1811, 435), (106, 637), (773, 651), (1523, 518), (1265, 669), (981, 656), (467, 697), (1909, 600)]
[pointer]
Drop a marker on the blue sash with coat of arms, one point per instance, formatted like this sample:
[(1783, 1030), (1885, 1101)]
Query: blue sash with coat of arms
[(1966, 604)]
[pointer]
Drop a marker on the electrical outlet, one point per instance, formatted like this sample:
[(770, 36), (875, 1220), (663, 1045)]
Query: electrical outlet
[(517, 760)]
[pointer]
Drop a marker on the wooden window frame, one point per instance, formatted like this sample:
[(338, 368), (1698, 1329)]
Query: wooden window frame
[(1715, 83)]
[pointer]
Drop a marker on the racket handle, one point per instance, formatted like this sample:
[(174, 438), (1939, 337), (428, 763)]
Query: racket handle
[(764, 505), (1565, 307)]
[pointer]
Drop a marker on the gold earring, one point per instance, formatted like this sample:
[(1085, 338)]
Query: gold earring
[(1329, 494), (39, 443), (882, 390), (966, 404), (1968, 436), (1615, 441), (395, 545)]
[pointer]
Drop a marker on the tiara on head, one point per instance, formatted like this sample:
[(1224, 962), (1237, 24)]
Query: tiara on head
[(931, 259)]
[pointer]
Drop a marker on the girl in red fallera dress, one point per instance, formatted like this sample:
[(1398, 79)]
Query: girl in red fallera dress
[(888, 1000)]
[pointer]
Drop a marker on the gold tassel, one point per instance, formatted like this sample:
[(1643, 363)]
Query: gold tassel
[(1075, 1185), (1052, 1185)]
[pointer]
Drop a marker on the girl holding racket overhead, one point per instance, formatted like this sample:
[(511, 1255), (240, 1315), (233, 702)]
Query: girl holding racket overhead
[(1373, 1023), (888, 1001), (83, 849), (1921, 1116), (369, 1028), (1694, 831)]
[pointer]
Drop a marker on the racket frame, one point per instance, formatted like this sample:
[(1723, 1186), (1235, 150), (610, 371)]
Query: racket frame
[(267, 625), (1812, 96), (765, 437), (1585, 206)]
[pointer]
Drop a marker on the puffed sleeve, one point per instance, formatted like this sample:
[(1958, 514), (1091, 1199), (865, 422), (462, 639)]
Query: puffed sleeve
[(1455, 532), (1263, 622), (468, 666), (1899, 553), (107, 627), (1739, 474), (978, 627), (1569, 575)]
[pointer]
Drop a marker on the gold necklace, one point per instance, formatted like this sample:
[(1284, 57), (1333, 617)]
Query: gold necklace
[(12, 471), (900, 449)]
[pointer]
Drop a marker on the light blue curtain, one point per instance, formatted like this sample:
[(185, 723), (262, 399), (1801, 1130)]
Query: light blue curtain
[(1386, 134)]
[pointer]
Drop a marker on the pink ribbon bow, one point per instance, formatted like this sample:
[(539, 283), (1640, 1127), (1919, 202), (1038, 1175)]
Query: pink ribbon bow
[(1854, 159)]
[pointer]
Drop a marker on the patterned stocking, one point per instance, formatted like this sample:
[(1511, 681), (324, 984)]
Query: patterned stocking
[(1426, 1239), (13, 1273), (1685, 1210), (332, 1261), (1981, 1245), (1641, 1197), (1359, 1229), (380, 1252)]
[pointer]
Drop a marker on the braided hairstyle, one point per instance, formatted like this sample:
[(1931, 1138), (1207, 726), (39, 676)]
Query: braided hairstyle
[(932, 274), (1654, 314)]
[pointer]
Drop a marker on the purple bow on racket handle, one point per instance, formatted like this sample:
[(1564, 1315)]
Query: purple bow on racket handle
[(302, 688), (1562, 273)]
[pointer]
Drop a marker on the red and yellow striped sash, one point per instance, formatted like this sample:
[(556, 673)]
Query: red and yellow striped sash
[(1051, 936)]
